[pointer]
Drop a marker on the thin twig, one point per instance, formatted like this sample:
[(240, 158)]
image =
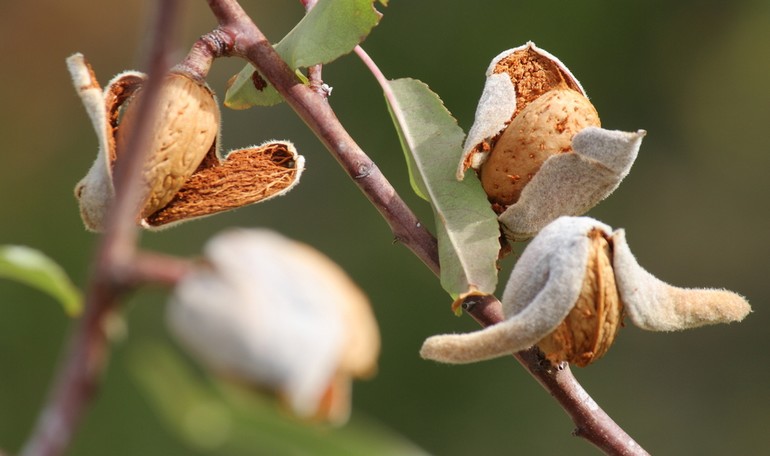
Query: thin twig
[(315, 81), (198, 61), (592, 422), (80, 370), (149, 268), (314, 73)]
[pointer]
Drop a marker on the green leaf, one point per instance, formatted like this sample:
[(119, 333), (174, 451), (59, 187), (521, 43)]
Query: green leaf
[(330, 30), (227, 420), (33, 268), (467, 228)]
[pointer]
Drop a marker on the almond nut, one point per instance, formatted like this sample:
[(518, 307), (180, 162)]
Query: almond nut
[(531, 108), (590, 328), (185, 175), (569, 293), (515, 78), (185, 129), (543, 128)]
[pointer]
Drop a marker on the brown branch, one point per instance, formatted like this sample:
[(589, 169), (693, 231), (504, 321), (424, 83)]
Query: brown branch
[(592, 422), (315, 81), (149, 268), (78, 375), (249, 43), (198, 61)]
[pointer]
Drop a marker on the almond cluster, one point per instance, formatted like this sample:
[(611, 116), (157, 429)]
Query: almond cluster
[(569, 293), (543, 160), (537, 145), (184, 176)]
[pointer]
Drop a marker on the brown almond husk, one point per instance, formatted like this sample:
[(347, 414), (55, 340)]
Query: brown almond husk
[(246, 176), (591, 326), (116, 97), (533, 74)]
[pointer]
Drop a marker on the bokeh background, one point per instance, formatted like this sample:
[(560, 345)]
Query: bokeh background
[(694, 74)]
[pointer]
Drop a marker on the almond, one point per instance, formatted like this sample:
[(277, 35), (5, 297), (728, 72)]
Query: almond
[(245, 176), (543, 128), (186, 127), (185, 176), (515, 78), (590, 328)]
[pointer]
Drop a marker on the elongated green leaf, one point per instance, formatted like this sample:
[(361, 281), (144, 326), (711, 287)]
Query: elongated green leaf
[(467, 228), (33, 268), (330, 30), (231, 421)]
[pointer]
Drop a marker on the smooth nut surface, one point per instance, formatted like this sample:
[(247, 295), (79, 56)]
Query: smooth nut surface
[(186, 126), (591, 326), (543, 128)]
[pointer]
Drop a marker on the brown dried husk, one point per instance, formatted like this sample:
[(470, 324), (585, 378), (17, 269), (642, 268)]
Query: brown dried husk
[(533, 74), (590, 328), (246, 176), (118, 94)]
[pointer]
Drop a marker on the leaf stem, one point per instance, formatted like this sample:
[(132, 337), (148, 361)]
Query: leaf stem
[(314, 72)]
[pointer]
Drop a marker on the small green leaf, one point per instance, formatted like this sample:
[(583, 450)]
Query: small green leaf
[(33, 268), (467, 228), (330, 30)]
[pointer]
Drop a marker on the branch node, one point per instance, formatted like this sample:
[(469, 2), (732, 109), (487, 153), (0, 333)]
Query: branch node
[(317, 83), (364, 170), (219, 41), (469, 304), (212, 45)]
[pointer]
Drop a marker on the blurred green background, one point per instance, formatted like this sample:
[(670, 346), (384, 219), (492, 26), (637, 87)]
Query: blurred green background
[(694, 74)]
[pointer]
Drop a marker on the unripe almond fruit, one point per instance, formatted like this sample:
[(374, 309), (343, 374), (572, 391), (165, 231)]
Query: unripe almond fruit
[(543, 128), (591, 326), (186, 126)]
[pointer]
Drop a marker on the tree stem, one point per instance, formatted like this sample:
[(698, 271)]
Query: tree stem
[(81, 368)]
